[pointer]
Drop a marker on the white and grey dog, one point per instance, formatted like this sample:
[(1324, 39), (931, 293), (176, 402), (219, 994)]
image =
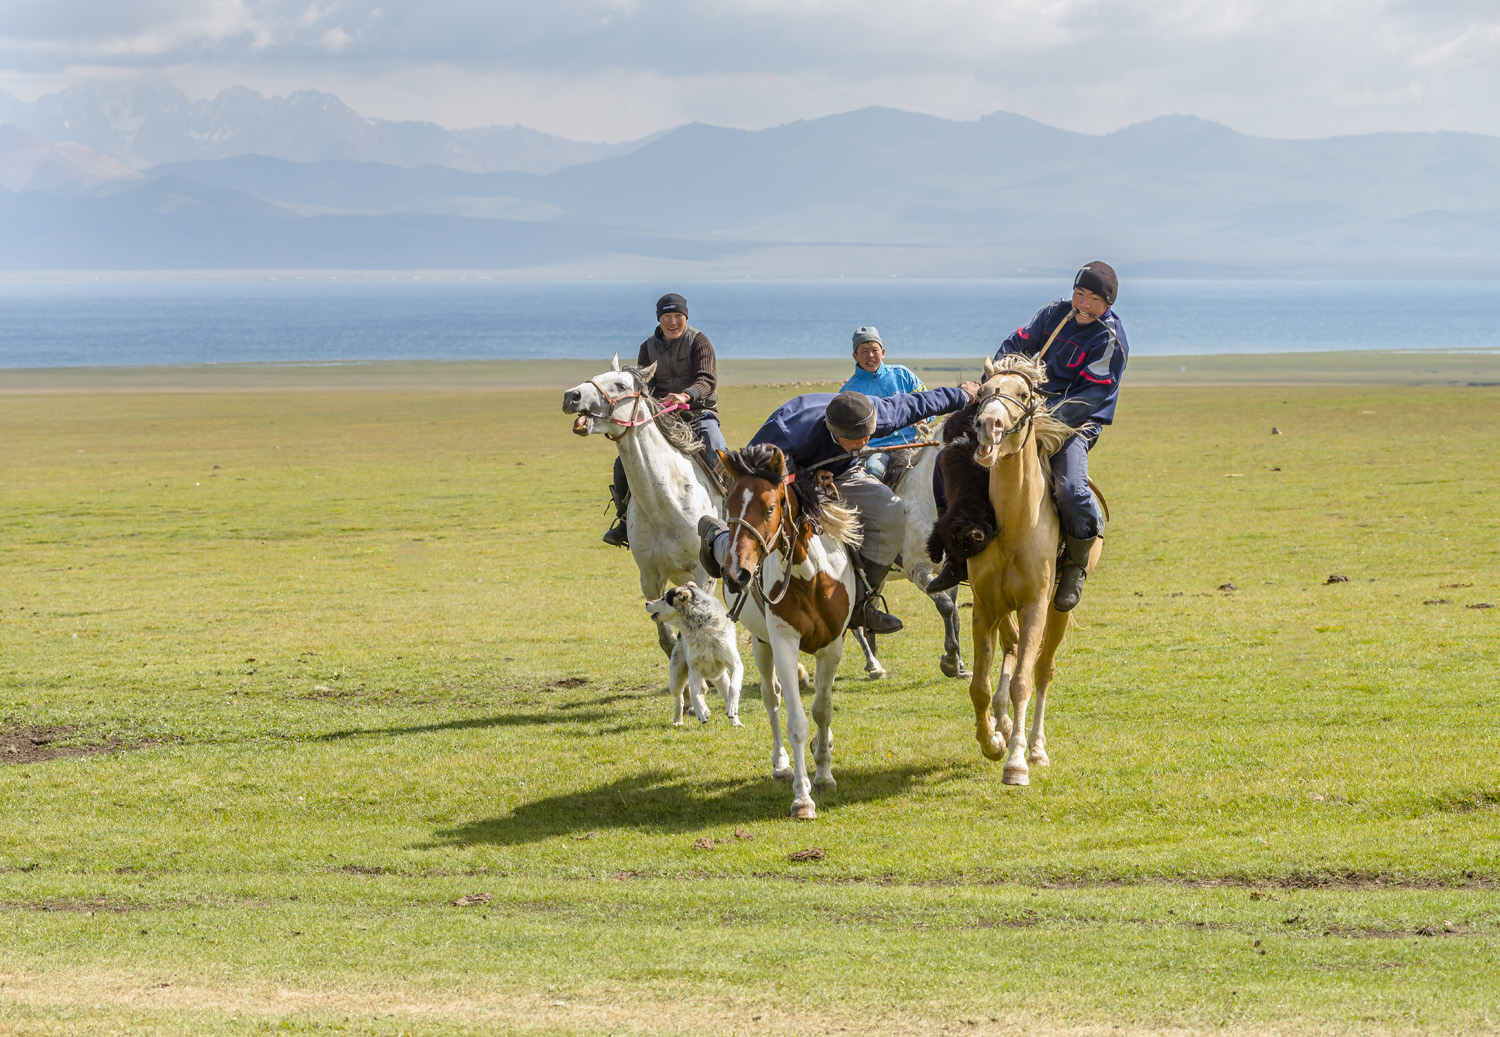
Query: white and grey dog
[(705, 651)]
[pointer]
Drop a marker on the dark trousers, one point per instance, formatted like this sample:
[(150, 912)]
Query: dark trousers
[(705, 428), (1076, 511)]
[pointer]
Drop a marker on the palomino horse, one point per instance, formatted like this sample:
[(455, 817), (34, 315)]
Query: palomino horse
[(788, 564), (915, 488), (1012, 577), (669, 490)]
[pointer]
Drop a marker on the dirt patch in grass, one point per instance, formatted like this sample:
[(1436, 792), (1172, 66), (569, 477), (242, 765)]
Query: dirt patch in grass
[(80, 907), (38, 744)]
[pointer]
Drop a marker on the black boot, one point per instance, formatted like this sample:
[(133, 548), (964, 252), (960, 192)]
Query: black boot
[(710, 528), (950, 576), (615, 535), (866, 614), (1071, 573)]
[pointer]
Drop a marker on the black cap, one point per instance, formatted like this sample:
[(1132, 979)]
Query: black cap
[(850, 415), (671, 303), (1100, 279)]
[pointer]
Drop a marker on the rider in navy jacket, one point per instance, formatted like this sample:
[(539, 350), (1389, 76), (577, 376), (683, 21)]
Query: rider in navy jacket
[(820, 431), (1085, 355), (799, 429)]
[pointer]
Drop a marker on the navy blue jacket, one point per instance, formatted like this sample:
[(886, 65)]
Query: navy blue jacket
[(1084, 364), (797, 426)]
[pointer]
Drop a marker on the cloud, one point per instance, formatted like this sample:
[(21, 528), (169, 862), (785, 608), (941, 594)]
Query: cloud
[(618, 67)]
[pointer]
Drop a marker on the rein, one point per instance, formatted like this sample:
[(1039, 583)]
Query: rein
[(614, 402), (781, 544)]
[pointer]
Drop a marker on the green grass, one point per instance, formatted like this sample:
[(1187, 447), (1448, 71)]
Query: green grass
[(376, 659)]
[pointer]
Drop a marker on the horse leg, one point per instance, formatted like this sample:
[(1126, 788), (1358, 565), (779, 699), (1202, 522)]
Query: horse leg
[(1000, 701), (1046, 666), (785, 653), (1032, 619), (770, 695), (680, 679), (985, 629), (952, 662), (822, 712), (866, 642)]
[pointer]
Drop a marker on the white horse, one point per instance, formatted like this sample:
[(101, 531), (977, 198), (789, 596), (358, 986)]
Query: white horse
[(915, 490), (669, 490)]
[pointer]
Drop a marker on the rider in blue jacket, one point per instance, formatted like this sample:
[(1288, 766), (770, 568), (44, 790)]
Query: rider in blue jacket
[(874, 377), (1082, 343)]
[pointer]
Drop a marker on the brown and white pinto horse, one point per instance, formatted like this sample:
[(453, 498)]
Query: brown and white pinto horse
[(1012, 578), (789, 573)]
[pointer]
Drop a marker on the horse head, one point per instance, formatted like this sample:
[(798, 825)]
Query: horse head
[(610, 398), (1008, 402), (761, 511)]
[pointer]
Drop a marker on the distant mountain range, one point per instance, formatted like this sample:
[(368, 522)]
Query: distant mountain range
[(145, 124), (866, 193)]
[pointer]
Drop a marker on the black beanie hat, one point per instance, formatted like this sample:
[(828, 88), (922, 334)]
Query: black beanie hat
[(671, 303), (850, 415), (1100, 279)]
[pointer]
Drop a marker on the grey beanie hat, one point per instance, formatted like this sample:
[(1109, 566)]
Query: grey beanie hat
[(867, 334), (850, 415)]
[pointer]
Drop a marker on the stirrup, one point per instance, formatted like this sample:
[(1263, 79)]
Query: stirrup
[(873, 619), (616, 535)]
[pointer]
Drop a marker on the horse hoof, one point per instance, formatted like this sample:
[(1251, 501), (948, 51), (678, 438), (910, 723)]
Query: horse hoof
[(782, 774), (1016, 776), (953, 666), (802, 678), (804, 811), (875, 673), (1039, 758), (825, 783), (735, 722)]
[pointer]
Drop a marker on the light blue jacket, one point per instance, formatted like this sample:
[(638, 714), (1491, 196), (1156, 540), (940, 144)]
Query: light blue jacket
[(888, 381)]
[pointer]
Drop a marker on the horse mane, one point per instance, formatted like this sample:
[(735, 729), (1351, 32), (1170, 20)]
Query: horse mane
[(1051, 431), (676, 429), (839, 520)]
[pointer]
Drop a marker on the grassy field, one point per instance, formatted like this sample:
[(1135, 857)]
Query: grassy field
[(292, 659)]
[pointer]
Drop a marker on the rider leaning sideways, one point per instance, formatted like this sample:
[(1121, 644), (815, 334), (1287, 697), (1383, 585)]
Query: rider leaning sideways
[(820, 431), (1082, 342), (874, 377), (686, 373)]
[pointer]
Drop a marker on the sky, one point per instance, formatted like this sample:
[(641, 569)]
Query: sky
[(614, 70)]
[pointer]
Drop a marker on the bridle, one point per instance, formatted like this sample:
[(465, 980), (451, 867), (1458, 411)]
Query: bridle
[(655, 410), (781, 544), (1028, 409)]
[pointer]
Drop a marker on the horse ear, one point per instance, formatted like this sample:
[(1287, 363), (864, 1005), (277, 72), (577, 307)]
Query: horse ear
[(990, 369), (614, 362), (778, 462), (729, 465), (647, 373)]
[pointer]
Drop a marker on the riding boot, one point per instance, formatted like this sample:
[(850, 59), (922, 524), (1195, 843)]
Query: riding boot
[(866, 614), (1071, 572), (615, 535), (953, 572), (710, 529)]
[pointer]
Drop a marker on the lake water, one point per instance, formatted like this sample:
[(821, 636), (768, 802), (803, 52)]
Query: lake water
[(319, 320)]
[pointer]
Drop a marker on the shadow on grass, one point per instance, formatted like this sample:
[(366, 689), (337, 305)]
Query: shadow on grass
[(473, 723), (658, 801)]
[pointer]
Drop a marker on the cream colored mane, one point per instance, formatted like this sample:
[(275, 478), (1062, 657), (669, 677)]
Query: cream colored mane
[(1051, 432), (841, 522)]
